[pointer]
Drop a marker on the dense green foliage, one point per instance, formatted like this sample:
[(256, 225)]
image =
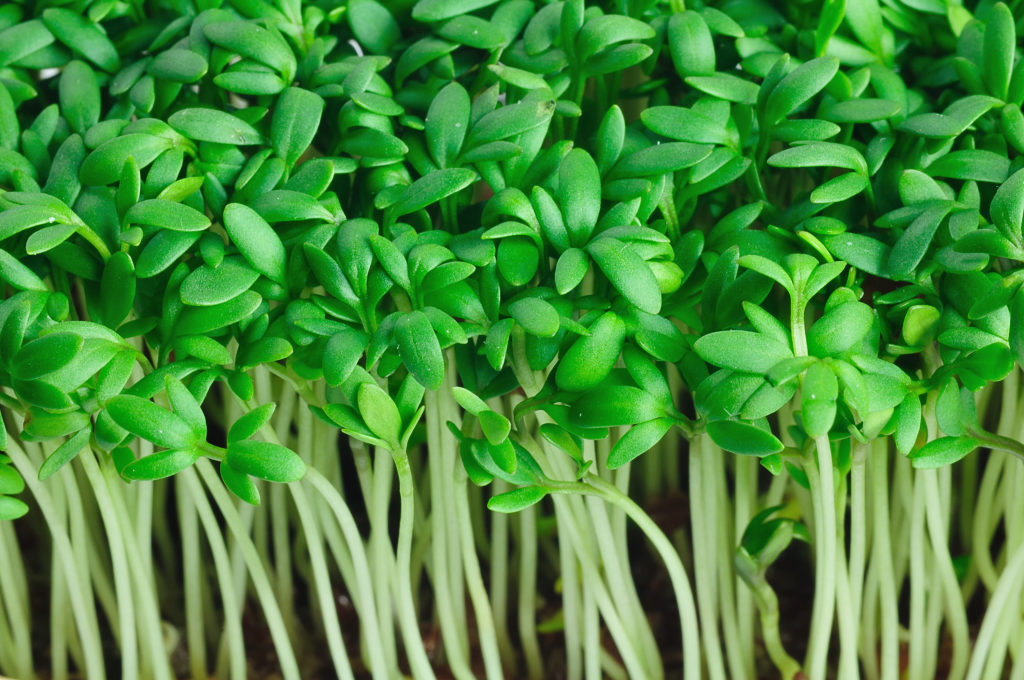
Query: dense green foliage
[(558, 260)]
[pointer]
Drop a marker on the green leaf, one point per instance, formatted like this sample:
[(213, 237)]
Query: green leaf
[(511, 120), (1000, 48), (591, 358), (798, 87), (517, 499), (145, 419), (840, 328), (64, 453), (446, 124), (686, 125), (202, 320), (743, 438), (256, 240), (420, 350), (439, 10), (627, 272), (202, 348), (45, 355), (770, 269), (254, 42), (103, 166), (860, 251), (12, 508), (249, 424), (975, 164), (211, 125), (570, 270), (820, 154), (380, 414), (616, 405), (22, 39), (18, 275), (373, 25), (48, 238), (726, 86), (83, 37), (265, 460), (579, 195), (818, 399), (160, 465), (535, 315), (295, 123), (79, 96), (913, 243), (239, 484), (841, 188), (1007, 207), (214, 285), (165, 214), (342, 353), (942, 451), (637, 440), (689, 40), (178, 65), (741, 351), (432, 188)]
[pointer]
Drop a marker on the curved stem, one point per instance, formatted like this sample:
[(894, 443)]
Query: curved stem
[(882, 556), (88, 627), (119, 563), (411, 637), (704, 563), (677, 573), (222, 567), (322, 579), (363, 580), (474, 580), (528, 589), (823, 493), (264, 591), (1007, 592)]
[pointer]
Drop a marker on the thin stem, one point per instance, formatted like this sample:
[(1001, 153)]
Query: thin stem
[(455, 652), (119, 563), (704, 566), (193, 576), (15, 596), (918, 584), (882, 556), (195, 495), (363, 580), (88, 627), (1007, 592), (411, 637), (527, 609), (264, 592), (498, 576), (676, 571), (145, 590), (823, 492), (322, 580), (475, 582)]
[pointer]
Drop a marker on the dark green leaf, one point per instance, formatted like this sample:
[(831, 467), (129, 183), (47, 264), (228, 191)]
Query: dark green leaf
[(741, 351), (942, 451), (265, 460), (145, 419), (256, 240), (627, 272), (743, 438), (160, 465), (296, 120)]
